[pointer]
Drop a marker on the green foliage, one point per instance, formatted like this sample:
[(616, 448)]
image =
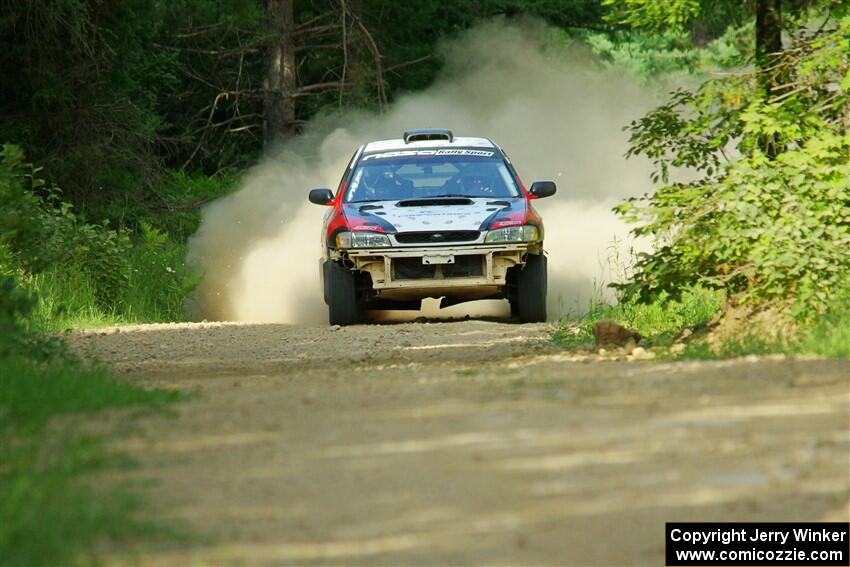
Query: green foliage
[(182, 195), (829, 335), (23, 232), (650, 55), (79, 90), (44, 231), (48, 515), (661, 320), (653, 14), (658, 321), (158, 281), (768, 217), (81, 273), (33, 392)]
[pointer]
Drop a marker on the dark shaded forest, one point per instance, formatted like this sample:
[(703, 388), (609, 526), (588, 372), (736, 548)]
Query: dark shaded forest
[(108, 97)]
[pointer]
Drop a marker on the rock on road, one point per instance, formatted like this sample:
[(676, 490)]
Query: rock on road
[(466, 443)]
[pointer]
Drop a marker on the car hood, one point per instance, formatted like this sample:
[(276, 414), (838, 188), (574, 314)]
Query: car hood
[(415, 215)]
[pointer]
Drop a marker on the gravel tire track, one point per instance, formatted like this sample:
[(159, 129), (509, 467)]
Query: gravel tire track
[(466, 443)]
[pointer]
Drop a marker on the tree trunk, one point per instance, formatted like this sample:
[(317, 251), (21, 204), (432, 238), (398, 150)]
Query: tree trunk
[(768, 45), (768, 32), (280, 83)]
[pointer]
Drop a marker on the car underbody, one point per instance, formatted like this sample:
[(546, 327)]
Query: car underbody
[(457, 273)]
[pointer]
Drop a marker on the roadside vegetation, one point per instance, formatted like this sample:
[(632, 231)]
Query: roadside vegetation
[(50, 513), (764, 216)]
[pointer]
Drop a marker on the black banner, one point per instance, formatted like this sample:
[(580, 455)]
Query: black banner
[(812, 544)]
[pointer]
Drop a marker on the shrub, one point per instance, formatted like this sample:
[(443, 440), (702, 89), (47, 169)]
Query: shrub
[(37, 232), (770, 224)]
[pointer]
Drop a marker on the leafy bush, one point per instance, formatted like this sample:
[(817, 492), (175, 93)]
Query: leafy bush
[(83, 273), (768, 217), (652, 13), (47, 515), (23, 233), (650, 55), (183, 195), (159, 279), (157, 283), (37, 232)]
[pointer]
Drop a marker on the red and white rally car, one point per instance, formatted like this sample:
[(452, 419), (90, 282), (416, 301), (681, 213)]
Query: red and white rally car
[(431, 215)]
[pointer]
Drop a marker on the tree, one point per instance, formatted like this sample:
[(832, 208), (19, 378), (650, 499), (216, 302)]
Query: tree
[(768, 30), (769, 225), (281, 82)]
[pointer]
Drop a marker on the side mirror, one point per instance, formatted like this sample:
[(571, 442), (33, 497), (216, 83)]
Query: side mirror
[(541, 189), (320, 196)]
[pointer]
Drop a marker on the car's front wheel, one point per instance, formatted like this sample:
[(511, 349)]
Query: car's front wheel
[(529, 304), (343, 308)]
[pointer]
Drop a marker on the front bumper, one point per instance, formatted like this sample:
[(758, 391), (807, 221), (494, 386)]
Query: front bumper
[(441, 270)]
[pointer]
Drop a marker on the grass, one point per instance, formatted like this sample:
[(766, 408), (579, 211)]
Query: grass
[(830, 335), (31, 393), (661, 321), (51, 515), (50, 511), (156, 285)]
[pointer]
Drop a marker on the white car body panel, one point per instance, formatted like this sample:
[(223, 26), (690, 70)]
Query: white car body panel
[(437, 217)]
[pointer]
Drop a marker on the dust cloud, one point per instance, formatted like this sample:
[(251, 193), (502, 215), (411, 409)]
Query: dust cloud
[(556, 111)]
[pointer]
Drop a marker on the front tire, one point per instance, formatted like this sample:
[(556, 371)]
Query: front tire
[(343, 308), (530, 302)]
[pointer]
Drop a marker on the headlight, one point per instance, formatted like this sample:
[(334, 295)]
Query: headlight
[(361, 240), (525, 233)]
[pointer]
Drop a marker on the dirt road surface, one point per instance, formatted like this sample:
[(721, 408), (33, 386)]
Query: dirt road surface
[(466, 443)]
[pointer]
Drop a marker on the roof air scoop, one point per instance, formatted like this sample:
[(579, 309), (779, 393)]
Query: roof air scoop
[(425, 134)]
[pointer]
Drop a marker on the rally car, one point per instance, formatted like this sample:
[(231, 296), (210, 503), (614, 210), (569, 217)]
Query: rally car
[(431, 215)]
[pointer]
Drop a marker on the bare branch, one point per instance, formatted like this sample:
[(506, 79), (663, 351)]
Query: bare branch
[(315, 30), (320, 87), (344, 49), (312, 21), (376, 55), (398, 66), (300, 48)]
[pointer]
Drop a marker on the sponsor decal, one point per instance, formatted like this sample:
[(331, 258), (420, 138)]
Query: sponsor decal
[(367, 227), (503, 223), (435, 152)]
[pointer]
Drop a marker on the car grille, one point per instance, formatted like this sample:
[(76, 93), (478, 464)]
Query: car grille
[(437, 237), (465, 267), (413, 269)]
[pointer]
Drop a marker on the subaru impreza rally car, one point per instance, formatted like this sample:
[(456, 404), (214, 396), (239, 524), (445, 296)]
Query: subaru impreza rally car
[(431, 215)]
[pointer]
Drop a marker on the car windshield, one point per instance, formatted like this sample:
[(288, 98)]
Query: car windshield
[(394, 177)]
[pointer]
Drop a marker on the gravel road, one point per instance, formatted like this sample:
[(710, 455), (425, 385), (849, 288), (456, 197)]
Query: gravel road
[(466, 443)]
